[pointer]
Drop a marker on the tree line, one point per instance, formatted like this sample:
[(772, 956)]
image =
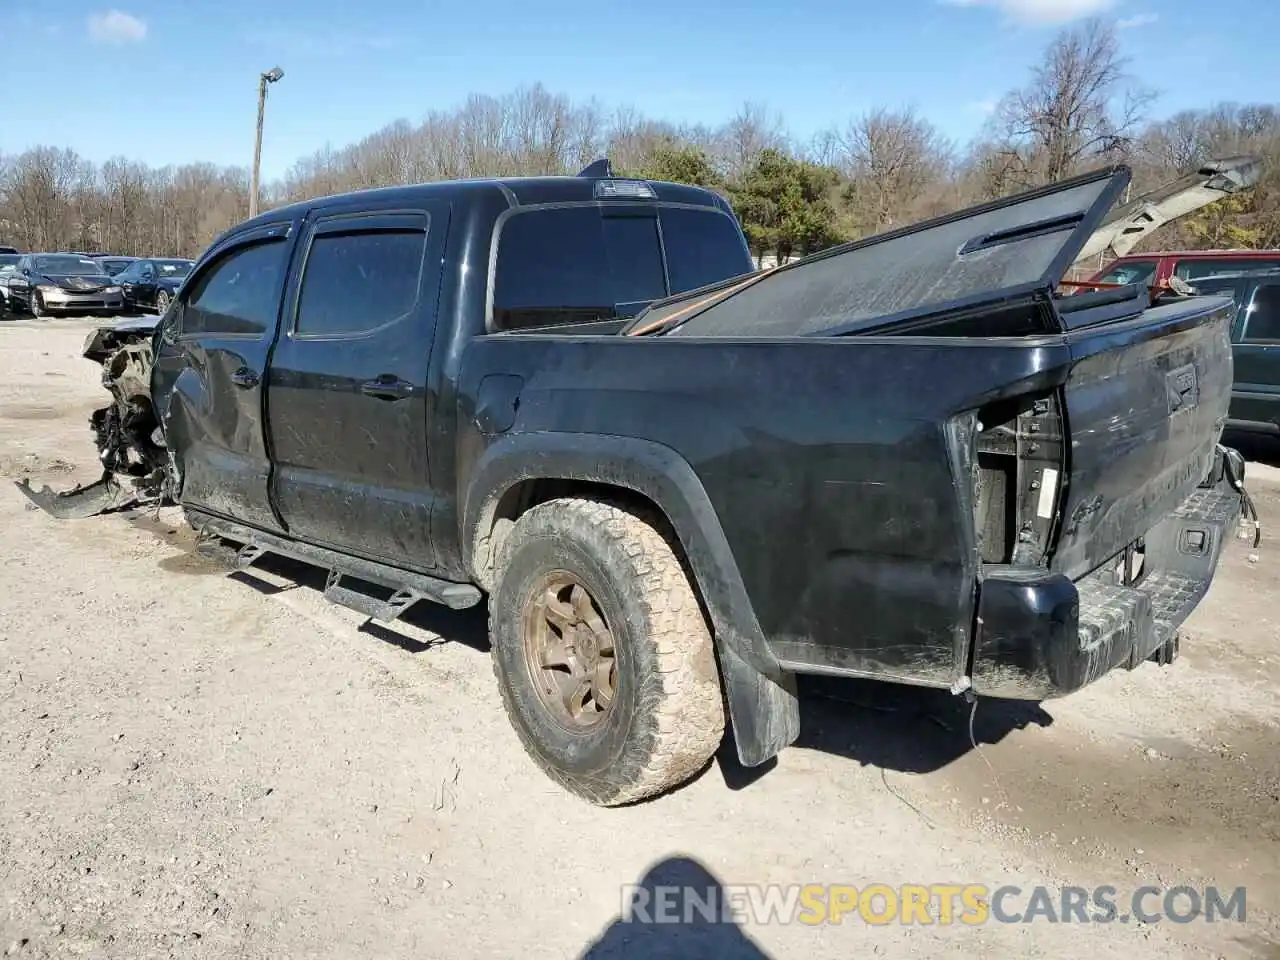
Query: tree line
[(1077, 109)]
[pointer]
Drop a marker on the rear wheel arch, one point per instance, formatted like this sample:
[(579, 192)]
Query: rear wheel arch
[(521, 471)]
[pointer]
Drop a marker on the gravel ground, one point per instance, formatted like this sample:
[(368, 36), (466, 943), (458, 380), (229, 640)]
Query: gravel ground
[(195, 764)]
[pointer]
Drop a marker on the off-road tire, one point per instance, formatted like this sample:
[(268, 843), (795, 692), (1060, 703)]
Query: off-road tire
[(667, 718)]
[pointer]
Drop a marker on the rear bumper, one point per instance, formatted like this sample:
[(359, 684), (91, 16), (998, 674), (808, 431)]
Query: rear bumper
[(1040, 635)]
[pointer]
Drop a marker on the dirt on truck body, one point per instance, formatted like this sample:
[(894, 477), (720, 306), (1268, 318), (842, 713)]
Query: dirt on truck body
[(682, 483)]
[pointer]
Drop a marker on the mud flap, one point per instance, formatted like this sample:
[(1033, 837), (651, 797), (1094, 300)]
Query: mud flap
[(88, 500), (765, 713)]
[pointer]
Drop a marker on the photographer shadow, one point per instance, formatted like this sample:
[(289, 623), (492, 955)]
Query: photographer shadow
[(677, 910)]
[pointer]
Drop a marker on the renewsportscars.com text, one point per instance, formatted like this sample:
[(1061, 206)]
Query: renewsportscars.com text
[(938, 904)]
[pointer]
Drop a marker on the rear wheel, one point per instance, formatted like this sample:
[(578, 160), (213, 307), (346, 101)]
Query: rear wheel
[(162, 301), (602, 654)]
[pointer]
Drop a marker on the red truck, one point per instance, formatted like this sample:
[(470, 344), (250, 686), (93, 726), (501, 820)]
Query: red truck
[(1155, 269)]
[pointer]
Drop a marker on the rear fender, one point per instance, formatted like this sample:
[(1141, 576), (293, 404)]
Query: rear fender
[(762, 700)]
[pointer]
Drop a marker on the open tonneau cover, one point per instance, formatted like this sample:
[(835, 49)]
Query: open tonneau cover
[(1008, 250)]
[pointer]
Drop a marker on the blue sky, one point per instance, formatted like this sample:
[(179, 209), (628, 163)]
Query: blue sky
[(175, 82)]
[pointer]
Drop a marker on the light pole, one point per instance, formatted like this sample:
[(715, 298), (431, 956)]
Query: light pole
[(269, 76)]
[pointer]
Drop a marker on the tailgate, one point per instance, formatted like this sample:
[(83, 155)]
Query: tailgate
[(1146, 401)]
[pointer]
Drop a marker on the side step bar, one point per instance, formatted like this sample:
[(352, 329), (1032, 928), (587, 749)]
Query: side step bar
[(408, 587)]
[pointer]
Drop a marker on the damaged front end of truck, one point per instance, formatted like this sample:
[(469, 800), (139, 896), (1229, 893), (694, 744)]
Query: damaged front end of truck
[(136, 467)]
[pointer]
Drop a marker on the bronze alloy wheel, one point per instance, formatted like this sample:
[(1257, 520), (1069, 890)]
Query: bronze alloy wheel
[(568, 649)]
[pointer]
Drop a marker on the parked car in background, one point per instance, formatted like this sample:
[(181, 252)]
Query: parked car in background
[(1255, 346), (45, 283), (1155, 269), (8, 265), (113, 264), (152, 282), (9, 250)]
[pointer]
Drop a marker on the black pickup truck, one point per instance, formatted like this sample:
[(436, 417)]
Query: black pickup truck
[(682, 482)]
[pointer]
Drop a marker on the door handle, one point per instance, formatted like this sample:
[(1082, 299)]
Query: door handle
[(387, 387), (244, 377)]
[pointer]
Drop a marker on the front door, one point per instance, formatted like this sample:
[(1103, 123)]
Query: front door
[(1255, 398), (210, 372), (347, 399)]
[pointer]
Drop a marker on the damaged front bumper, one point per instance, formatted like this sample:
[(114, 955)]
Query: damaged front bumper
[(130, 444), (1041, 635)]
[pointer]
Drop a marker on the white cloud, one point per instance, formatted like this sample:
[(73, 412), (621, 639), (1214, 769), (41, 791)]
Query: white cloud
[(1040, 11), (1137, 20), (116, 27)]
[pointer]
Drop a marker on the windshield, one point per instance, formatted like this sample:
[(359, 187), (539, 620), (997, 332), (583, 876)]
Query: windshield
[(112, 267), (173, 268), (66, 265), (8, 259), (1140, 271)]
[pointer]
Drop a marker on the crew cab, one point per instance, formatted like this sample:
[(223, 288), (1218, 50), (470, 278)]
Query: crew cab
[(681, 482)]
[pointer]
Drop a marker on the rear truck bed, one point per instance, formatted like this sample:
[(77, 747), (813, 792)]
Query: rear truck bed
[(907, 458)]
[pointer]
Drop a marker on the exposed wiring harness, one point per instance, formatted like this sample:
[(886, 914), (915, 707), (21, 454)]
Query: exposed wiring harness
[(1233, 469)]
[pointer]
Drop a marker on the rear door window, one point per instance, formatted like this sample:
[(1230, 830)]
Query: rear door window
[(1199, 268), (1262, 320), (360, 280), (573, 265)]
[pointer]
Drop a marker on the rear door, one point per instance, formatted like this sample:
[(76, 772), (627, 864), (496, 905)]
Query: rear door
[(1255, 402), (348, 381), (211, 368)]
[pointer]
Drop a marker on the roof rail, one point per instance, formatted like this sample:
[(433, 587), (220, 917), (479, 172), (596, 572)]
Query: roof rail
[(600, 168)]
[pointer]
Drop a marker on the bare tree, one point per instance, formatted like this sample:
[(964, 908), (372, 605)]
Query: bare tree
[(891, 159), (750, 132), (1078, 108), (882, 169)]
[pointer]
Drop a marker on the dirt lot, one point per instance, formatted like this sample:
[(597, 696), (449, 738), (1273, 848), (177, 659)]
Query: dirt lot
[(194, 764)]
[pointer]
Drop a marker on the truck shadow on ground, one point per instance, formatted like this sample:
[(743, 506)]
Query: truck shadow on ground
[(428, 624), (891, 726), (680, 910)]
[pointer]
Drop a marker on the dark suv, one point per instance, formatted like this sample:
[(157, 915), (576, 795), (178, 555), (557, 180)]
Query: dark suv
[(1255, 343)]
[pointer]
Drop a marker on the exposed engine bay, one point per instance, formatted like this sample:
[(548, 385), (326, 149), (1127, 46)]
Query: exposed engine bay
[(130, 444)]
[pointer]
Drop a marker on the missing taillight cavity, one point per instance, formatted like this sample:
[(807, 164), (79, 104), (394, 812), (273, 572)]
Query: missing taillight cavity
[(1018, 479)]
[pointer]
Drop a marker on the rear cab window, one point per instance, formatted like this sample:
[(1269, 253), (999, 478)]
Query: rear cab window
[(581, 263)]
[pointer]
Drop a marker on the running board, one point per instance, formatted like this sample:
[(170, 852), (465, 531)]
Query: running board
[(371, 606), (408, 587)]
